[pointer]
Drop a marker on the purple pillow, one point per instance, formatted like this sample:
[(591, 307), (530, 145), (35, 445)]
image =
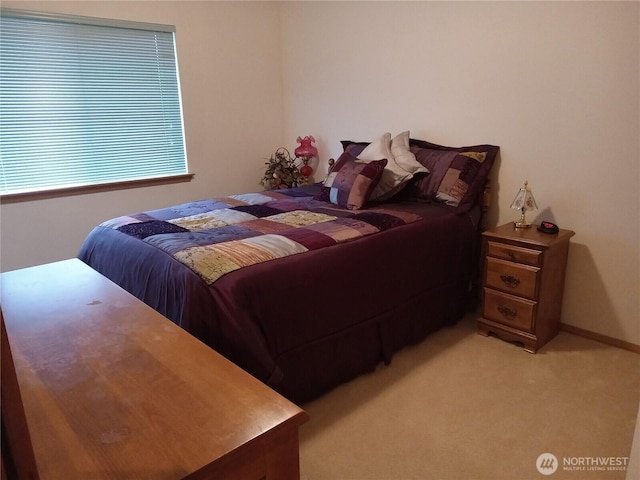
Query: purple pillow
[(354, 148), (350, 183), (457, 174)]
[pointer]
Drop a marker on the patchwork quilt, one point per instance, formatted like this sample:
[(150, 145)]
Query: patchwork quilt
[(217, 236)]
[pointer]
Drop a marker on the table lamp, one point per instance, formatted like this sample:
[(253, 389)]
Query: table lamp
[(524, 201), (306, 151)]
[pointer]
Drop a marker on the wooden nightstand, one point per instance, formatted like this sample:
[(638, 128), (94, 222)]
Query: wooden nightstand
[(524, 272)]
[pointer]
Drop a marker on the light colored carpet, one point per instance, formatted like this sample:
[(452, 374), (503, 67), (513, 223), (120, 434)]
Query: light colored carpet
[(463, 406)]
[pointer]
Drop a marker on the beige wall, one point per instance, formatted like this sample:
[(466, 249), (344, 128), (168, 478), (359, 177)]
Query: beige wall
[(555, 84)]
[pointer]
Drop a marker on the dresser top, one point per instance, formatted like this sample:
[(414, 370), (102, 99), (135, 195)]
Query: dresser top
[(112, 389)]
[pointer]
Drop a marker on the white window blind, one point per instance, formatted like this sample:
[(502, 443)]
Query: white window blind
[(86, 101)]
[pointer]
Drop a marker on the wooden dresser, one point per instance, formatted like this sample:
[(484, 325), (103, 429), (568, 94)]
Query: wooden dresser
[(524, 272), (113, 390)]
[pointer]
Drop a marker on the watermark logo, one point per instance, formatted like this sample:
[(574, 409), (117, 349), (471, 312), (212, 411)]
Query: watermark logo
[(547, 463)]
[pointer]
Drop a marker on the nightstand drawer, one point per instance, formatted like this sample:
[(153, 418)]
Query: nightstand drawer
[(509, 310), (512, 277), (515, 254)]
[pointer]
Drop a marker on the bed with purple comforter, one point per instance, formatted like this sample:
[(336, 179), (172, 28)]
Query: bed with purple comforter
[(300, 292)]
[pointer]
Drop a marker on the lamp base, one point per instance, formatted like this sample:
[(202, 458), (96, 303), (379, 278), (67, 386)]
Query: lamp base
[(520, 224)]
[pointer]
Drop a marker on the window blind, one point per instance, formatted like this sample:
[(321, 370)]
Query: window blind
[(86, 101)]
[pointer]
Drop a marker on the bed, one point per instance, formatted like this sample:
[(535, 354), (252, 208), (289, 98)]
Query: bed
[(309, 287)]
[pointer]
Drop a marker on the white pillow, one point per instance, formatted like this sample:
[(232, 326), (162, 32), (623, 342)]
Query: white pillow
[(403, 156), (378, 149), (393, 177)]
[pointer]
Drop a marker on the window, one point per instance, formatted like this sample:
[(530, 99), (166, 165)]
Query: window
[(86, 102)]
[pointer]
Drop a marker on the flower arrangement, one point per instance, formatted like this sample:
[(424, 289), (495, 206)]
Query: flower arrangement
[(282, 171)]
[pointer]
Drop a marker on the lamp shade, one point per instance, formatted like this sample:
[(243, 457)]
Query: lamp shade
[(306, 149), (524, 202), (524, 199)]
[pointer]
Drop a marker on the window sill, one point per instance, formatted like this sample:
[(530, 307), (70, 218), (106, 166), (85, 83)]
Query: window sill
[(103, 187)]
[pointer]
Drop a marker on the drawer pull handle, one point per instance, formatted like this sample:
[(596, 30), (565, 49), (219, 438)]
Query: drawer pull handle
[(511, 255), (510, 281), (507, 311)]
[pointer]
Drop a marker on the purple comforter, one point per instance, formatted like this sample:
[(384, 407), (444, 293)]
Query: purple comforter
[(365, 284)]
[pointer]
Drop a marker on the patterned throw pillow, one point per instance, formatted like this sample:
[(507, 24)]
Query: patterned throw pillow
[(394, 176), (457, 174), (401, 162), (451, 175), (350, 183)]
